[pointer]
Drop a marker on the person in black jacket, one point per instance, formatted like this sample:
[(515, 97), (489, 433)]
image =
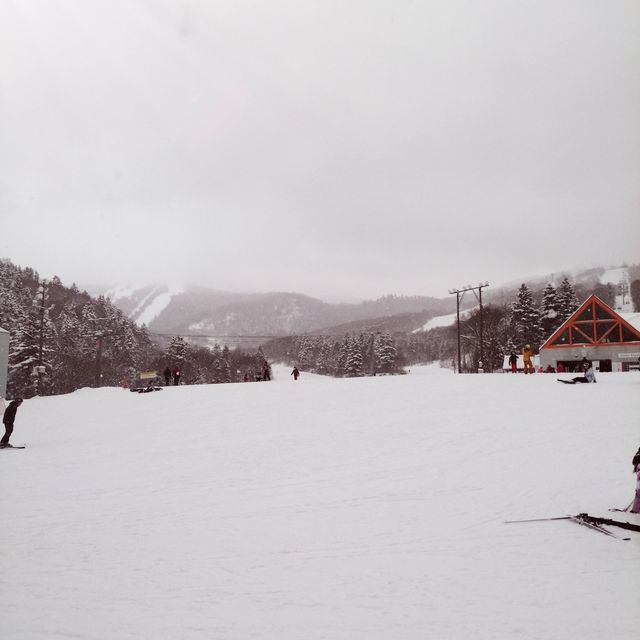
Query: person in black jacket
[(8, 419)]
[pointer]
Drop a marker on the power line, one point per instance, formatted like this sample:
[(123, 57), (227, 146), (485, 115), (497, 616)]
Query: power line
[(459, 294)]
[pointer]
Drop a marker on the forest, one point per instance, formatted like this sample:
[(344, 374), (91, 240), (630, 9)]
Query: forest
[(62, 339)]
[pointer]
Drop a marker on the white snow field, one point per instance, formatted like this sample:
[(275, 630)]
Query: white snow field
[(369, 508)]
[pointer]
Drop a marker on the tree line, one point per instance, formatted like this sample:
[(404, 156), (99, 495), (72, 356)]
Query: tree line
[(62, 339)]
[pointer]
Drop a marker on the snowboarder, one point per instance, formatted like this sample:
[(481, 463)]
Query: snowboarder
[(8, 419), (176, 376), (526, 357), (167, 376), (635, 507), (589, 376), (295, 373), (513, 361)]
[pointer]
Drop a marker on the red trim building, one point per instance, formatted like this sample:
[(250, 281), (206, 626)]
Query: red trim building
[(595, 331)]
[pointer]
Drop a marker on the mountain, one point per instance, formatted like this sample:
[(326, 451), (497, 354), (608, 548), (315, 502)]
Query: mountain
[(210, 314), (201, 312)]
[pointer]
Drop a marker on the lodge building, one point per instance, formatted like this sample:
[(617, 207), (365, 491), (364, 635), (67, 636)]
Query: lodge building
[(610, 340)]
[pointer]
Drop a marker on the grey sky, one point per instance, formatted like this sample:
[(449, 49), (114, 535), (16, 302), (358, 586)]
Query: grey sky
[(339, 149)]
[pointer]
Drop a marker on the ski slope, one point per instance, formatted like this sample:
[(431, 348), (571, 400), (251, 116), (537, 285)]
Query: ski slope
[(356, 509)]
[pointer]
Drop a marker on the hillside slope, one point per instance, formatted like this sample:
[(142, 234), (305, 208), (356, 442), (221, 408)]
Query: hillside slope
[(324, 508)]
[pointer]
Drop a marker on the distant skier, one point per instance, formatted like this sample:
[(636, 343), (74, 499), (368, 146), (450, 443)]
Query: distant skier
[(589, 376), (513, 362), (526, 358), (167, 376), (8, 419), (176, 376), (295, 373), (266, 371), (635, 507)]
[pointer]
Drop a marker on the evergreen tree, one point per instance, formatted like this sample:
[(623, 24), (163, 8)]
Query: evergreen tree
[(353, 362), (525, 319), (567, 301), (550, 310), (385, 353), (177, 351)]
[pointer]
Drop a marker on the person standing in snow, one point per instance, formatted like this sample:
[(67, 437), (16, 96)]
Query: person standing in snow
[(167, 376), (8, 419), (526, 357), (513, 361), (295, 373), (176, 376), (266, 371), (635, 507)]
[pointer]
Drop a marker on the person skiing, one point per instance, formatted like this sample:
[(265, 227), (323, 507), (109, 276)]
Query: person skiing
[(589, 376), (8, 419), (167, 376), (176, 376), (295, 373), (635, 507), (526, 357), (266, 371), (513, 361)]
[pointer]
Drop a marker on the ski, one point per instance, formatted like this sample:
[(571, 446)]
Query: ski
[(582, 518), (613, 523), (585, 520), (11, 446)]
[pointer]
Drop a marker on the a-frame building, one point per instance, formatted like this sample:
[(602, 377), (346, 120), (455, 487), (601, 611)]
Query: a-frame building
[(596, 332)]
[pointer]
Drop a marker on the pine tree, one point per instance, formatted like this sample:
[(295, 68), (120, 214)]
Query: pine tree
[(567, 301), (353, 362), (177, 351), (385, 353), (550, 310), (525, 319)]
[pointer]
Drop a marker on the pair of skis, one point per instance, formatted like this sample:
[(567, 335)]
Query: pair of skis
[(591, 522)]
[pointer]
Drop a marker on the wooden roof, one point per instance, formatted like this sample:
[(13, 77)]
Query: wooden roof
[(593, 324)]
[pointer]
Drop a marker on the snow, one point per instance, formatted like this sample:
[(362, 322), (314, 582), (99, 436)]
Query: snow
[(158, 304), (445, 321), (367, 508)]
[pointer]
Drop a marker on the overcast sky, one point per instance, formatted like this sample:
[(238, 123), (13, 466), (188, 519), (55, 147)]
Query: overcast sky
[(343, 149)]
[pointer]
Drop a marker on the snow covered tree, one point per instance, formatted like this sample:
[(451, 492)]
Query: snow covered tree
[(353, 362), (525, 319), (567, 301), (550, 310), (177, 350), (385, 353)]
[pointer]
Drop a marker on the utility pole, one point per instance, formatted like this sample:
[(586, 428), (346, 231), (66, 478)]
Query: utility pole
[(459, 295)]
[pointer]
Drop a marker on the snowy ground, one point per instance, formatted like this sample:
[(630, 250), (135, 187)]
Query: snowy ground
[(349, 509)]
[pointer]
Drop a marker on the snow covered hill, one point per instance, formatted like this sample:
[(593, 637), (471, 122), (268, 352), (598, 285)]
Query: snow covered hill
[(369, 508)]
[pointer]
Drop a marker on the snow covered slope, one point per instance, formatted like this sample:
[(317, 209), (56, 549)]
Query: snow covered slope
[(342, 509)]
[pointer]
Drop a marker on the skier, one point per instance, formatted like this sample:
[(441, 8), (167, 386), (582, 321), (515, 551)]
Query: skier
[(266, 371), (295, 373), (176, 376), (167, 376), (526, 357), (513, 361), (588, 376), (8, 419), (635, 507)]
